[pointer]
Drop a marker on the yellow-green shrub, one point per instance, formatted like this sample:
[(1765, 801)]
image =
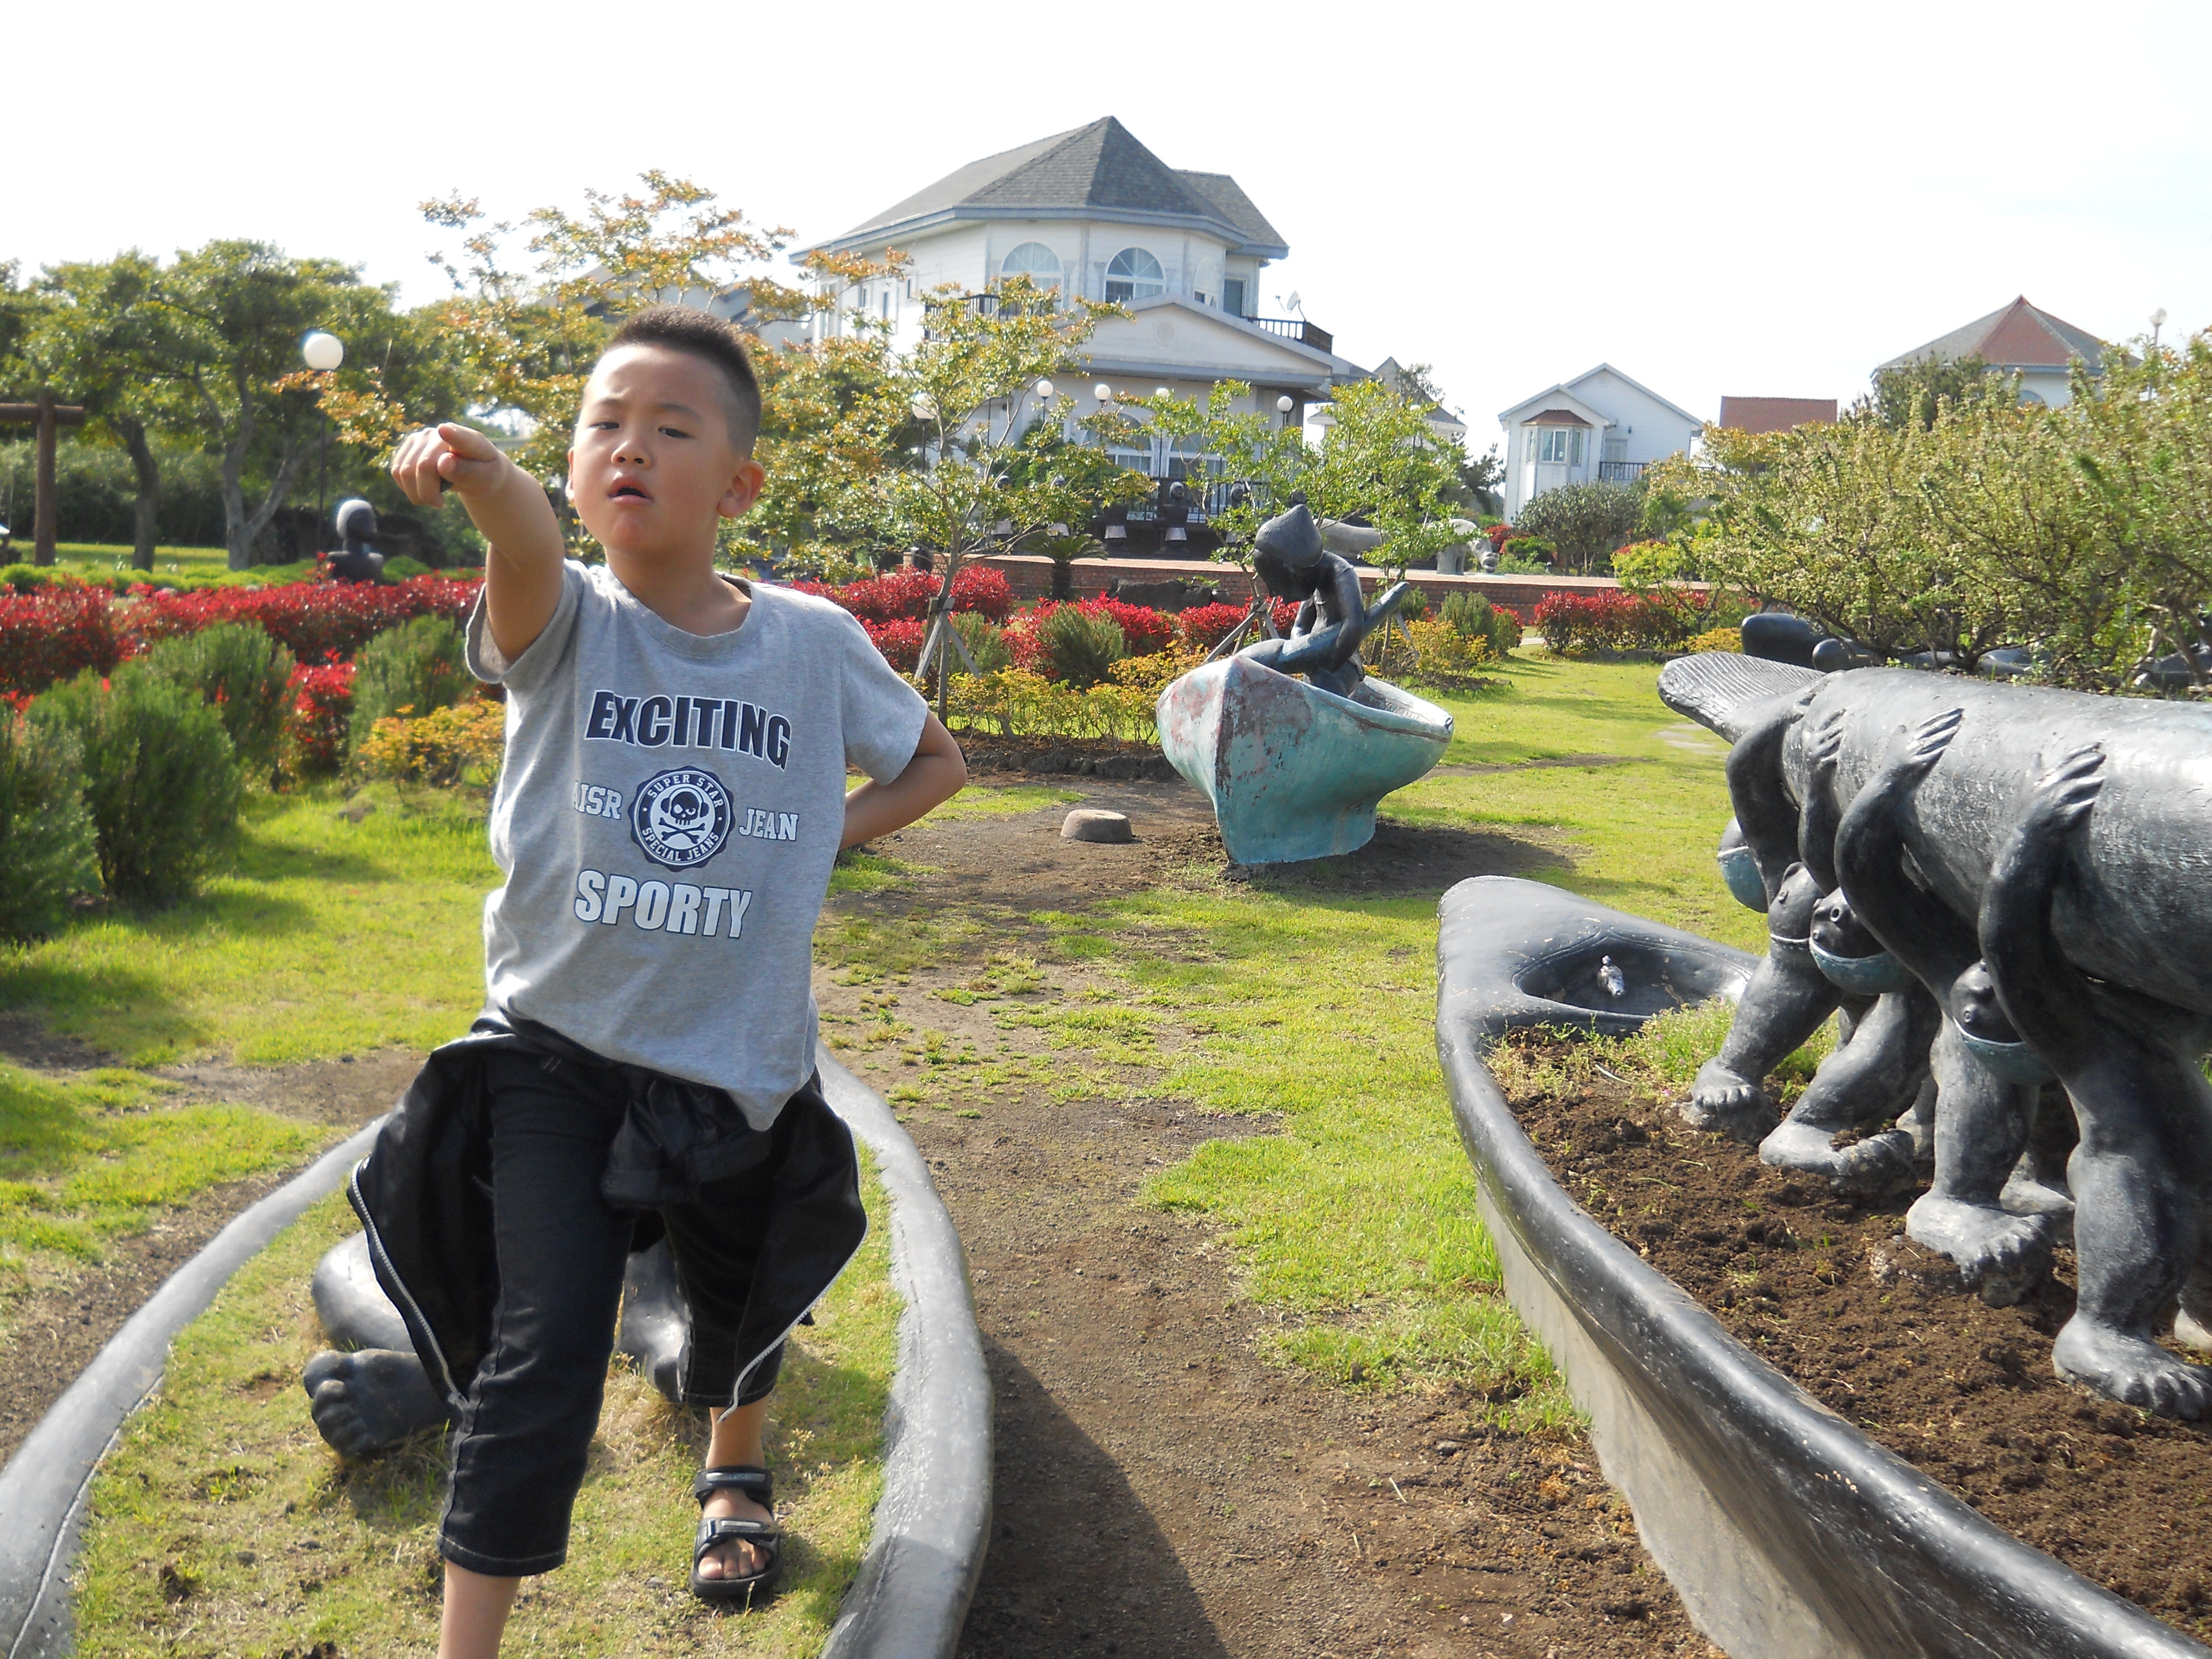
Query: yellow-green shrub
[(442, 747), (1013, 702), (1716, 639)]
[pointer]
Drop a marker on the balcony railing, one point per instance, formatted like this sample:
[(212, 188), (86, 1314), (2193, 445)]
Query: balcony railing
[(1621, 471), (1298, 329)]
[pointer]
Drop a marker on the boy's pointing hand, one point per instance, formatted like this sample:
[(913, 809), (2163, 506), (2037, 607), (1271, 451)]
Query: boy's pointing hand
[(436, 457)]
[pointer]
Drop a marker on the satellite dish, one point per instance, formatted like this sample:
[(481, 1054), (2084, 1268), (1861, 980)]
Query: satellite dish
[(1295, 303)]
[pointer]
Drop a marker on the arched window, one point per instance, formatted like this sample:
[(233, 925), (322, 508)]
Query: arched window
[(1035, 261), (1134, 275)]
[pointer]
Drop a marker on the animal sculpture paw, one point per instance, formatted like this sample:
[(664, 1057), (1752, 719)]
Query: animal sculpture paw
[(1876, 1167), (367, 1402), (1998, 1253), (1721, 1099), (2131, 1370)]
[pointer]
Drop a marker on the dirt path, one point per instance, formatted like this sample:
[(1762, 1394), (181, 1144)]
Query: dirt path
[(1160, 1489), (55, 1330)]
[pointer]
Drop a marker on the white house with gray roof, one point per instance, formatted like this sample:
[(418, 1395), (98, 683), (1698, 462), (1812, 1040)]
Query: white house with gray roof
[(1601, 427), (1093, 212)]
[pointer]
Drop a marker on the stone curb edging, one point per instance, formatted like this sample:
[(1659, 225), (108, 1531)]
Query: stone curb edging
[(45, 1486), (933, 1521), (1788, 1532), (910, 1597)]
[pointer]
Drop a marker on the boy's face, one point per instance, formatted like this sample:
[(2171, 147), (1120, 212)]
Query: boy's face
[(653, 466)]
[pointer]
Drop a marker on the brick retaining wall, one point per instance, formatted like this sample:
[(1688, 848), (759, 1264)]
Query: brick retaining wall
[(1030, 575)]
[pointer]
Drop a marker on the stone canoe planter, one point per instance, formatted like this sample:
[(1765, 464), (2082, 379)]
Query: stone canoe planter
[(910, 1597), (1787, 1533), (1295, 772)]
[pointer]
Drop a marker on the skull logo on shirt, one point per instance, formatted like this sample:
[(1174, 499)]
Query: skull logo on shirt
[(681, 818)]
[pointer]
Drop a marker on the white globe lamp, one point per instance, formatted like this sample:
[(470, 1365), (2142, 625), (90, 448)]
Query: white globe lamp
[(1044, 392), (322, 352), (1104, 392), (1283, 403)]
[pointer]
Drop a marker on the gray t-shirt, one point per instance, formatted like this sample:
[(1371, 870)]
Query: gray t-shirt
[(666, 819)]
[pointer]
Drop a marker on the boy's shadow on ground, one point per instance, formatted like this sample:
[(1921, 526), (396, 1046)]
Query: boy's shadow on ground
[(1077, 1565)]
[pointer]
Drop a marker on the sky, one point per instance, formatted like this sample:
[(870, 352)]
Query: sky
[(1753, 199)]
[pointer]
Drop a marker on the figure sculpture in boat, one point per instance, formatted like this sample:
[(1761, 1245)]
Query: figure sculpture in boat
[(1323, 643)]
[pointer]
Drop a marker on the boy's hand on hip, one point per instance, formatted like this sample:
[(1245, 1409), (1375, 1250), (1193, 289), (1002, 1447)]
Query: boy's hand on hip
[(430, 461)]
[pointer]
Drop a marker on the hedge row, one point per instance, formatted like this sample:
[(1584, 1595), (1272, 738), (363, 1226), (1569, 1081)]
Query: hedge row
[(57, 633), (1574, 623)]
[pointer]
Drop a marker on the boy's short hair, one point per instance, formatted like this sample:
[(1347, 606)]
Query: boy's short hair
[(683, 328)]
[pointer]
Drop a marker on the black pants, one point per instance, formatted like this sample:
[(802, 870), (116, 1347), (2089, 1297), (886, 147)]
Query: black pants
[(520, 1452)]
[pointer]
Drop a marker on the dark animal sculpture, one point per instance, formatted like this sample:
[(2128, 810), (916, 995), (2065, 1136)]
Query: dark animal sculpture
[(371, 1396), (2132, 1066), (1880, 1069), (1789, 998), (1982, 937), (1987, 1081)]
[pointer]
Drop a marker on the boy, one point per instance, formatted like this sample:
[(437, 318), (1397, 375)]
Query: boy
[(671, 806)]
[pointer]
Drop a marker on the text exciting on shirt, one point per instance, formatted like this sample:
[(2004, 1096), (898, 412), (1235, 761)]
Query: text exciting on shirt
[(690, 723)]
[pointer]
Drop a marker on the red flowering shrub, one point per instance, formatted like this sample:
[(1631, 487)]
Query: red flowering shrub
[(1145, 632), (899, 639), (1205, 626), (1615, 621), (55, 634), (1148, 631), (894, 596), (902, 594), (984, 591), (322, 711), (316, 620), (1499, 534)]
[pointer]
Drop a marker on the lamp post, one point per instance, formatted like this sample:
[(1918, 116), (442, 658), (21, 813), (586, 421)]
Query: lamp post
[(323, 352), (2157, 322), (1283, 405)]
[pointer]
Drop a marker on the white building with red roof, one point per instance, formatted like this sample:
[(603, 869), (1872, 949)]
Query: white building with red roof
[(2020, 339)]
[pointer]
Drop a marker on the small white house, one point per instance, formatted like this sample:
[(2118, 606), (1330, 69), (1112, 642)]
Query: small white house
[(1601, 427)]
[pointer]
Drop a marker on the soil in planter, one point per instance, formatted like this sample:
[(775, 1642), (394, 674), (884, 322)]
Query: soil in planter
[(1836, 1298)]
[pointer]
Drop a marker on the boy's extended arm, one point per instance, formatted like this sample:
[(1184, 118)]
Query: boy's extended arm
[(937, 772), (522, 571)]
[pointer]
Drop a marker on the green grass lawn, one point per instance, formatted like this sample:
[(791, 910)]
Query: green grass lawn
[(89, 1159), (1300, 995), (337, 931), (103, 558), (1638, 835), (1353, 1216), (330, 935), (191, 564)]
